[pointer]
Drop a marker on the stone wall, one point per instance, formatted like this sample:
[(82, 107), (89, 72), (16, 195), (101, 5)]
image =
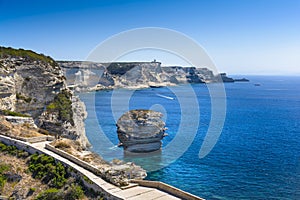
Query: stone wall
[(20, 120), (72, 158), (167, 188), (32, 139), (20, 144)]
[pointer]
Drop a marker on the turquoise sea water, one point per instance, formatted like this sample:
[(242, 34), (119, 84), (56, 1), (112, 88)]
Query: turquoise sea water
[(256, 157)]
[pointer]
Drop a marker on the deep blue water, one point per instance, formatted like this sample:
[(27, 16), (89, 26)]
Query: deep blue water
[(257, 155)]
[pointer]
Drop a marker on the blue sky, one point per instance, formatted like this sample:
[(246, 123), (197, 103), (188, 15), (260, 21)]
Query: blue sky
[(241, 36)]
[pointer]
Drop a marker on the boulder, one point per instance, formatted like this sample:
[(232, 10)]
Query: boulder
[(141, 130)]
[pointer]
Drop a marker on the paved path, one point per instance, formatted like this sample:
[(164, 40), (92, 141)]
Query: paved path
[(133, 193)]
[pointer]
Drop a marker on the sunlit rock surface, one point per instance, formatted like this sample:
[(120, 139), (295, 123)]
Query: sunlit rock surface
[(141, 130)]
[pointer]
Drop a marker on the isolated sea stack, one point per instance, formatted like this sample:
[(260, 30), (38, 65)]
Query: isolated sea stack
[(141, 130)]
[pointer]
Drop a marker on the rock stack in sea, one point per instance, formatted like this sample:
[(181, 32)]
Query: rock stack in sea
[(141, 130)]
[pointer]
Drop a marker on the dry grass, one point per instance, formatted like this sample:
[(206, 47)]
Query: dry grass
[(74, 148), (22, 130), (67, 144), (19, 166)]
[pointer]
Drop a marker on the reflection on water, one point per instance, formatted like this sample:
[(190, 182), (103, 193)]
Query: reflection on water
[(149, 160)]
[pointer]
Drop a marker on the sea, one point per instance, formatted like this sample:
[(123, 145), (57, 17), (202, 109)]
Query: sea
[(255, 155)]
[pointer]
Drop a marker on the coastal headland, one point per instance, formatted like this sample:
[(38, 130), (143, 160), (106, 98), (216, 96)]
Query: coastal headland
[(38, 105)]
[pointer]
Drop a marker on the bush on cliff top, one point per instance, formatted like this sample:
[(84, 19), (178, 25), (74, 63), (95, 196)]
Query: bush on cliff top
[(28, 54), (119, 68)]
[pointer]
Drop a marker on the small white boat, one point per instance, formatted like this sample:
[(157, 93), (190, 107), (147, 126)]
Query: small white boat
[(166, 97)]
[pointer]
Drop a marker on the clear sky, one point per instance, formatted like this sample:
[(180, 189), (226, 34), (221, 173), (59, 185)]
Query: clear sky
[(241, 36)]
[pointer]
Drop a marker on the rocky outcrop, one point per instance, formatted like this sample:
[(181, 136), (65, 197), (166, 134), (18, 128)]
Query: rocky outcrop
[(30, 83), (21, 120), (27, 85), (70, 126), (225, 78), (141, 130), (241, 80), (180, 74), (79, 115), (119, 173)]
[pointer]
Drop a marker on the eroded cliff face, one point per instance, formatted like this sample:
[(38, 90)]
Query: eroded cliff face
[(27, 86), (29, 83), (97, 76)]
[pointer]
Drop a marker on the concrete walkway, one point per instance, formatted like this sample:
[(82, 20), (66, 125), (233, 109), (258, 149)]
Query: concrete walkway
[(132, 193)]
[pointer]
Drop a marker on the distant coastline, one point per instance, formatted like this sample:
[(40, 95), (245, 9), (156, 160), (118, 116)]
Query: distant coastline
[(92, 76)]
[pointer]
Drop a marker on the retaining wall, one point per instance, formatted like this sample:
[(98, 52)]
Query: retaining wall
[(167, 188), (20, 144), (74, 159), (32, 139)]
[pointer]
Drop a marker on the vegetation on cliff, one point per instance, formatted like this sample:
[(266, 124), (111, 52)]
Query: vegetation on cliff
[(12, 113), (119, 68), (62, 104), (44, 167), (27, 54), (45, 178)]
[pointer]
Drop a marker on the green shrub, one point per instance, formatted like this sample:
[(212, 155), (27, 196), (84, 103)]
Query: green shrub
[(3, 180), (50, 194), (62, 104), (62, 145), (22, 154), (86, 179), (119, 68), (44, 167), (51, 106), (3, 147), (12, 150), (74, 192), (27, 54), (43, 131), (12, 113), (3, 168), (31, 191), (19, 96)]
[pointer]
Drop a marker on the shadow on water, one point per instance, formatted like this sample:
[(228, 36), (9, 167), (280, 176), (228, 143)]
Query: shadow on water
[(148, 160)]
